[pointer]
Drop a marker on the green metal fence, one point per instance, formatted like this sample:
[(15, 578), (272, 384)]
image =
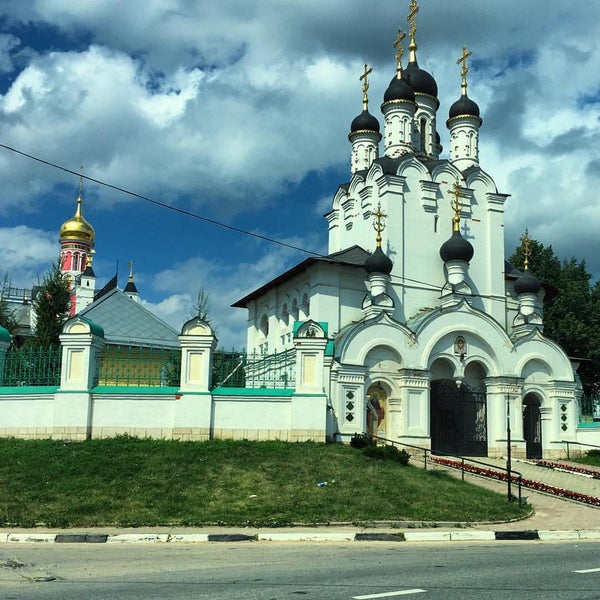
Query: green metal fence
[(589, 409), (137, 366), (32, 367), (240, 369)]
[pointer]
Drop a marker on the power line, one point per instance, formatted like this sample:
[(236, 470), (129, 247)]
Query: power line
[(159, 203), (422, 285)]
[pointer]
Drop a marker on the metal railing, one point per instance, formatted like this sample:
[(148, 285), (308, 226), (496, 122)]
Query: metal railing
[(589, 409), (511, 474), (138, 366), (32, 367), (240, 369), (577, 444)]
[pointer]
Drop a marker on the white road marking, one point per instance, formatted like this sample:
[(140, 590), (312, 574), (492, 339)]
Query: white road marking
[(389, 594), (588, 571)]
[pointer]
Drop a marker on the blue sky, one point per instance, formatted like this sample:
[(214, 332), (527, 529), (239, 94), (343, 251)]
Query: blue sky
[(240, 112)]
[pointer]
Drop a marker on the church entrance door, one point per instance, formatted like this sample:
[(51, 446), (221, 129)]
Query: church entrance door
[(532, 426), (376, 410), (458, 422)]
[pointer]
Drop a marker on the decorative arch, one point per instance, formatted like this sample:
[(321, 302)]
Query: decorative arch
[(532, 424), (476, 177), (411, 167), (485, 337), (357, 341)]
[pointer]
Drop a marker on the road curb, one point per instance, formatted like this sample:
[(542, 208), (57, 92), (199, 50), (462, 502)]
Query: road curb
[(301, 536)]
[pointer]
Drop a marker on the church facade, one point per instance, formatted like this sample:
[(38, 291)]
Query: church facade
[(434, 338)]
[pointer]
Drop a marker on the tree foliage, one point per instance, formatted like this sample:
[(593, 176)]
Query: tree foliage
[(51, 306), (572, 312)]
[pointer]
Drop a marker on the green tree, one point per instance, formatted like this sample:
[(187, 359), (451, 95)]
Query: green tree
[(51, 306), (571, 308)]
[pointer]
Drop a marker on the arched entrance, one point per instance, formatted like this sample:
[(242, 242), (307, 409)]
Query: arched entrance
[(376, 406), (458, 422), (532, 426)]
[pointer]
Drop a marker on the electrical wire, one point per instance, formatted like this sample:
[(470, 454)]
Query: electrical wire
[(421, 285)]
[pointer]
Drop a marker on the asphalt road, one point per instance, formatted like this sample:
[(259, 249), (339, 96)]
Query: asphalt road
[(276, 571)]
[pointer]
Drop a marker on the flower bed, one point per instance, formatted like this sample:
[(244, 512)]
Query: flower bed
[(570, 468), (528, 483)]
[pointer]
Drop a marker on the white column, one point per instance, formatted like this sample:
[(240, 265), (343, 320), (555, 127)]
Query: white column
[(82, 342), (193, 412)]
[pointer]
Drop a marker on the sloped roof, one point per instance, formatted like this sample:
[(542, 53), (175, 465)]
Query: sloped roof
[(354, 256), (127, 322)]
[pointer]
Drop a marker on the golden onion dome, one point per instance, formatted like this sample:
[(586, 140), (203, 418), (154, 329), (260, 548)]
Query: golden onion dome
[(77, 228)]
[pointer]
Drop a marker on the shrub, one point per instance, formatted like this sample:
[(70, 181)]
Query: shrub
[(361, 440), (387, 452), (594, 453)]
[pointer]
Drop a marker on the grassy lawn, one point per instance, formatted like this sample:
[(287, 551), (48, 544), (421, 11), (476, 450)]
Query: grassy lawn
[(590, 458), (133, 482)]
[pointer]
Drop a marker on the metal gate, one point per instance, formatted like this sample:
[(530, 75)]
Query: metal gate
[(458, 421), (532, 430)]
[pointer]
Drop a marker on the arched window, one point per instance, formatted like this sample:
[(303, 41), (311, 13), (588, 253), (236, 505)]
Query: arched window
[(423, 133)]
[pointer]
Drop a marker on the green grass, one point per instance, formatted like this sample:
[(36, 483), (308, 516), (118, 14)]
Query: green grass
[(127, 481), (590, 458)]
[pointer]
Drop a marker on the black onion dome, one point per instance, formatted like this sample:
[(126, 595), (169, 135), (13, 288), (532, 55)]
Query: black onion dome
[(379, 262), (464, 106), (420, 81), (131, 288), (364, 122), (399, 90), (456, 248), (527, 284)]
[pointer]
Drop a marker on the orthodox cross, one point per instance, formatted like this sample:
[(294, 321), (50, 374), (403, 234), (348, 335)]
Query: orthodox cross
[(399, 52), (526, 248), (456, 205), (411, 18), (130, 265), (365, 88), (80, 181), (378, 224), (464, 70), (90, 258)]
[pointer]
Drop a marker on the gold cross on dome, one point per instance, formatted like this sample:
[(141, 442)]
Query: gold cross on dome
[(526, 248), (399, 51), (464, 70), (80, 181), (411, 18), (456, 204), (365, 79), (378, 224)]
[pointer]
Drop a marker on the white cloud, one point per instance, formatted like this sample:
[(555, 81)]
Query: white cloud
[(26, 253)]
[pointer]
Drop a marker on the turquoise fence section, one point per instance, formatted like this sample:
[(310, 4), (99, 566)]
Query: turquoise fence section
[(125, 366), (589, 409), (32, 367), (239, 369)]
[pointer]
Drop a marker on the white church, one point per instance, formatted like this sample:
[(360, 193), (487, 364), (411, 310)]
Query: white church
[(434, 339)]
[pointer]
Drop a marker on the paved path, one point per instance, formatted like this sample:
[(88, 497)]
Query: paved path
[(550, 512)]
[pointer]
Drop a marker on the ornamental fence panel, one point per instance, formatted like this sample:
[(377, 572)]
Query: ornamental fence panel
[(589, 409), (240, 369), (32, 366), (140, 366)]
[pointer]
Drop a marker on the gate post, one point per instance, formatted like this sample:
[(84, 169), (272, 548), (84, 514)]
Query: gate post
[(193, 412), (497, 389), (82, 342)]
